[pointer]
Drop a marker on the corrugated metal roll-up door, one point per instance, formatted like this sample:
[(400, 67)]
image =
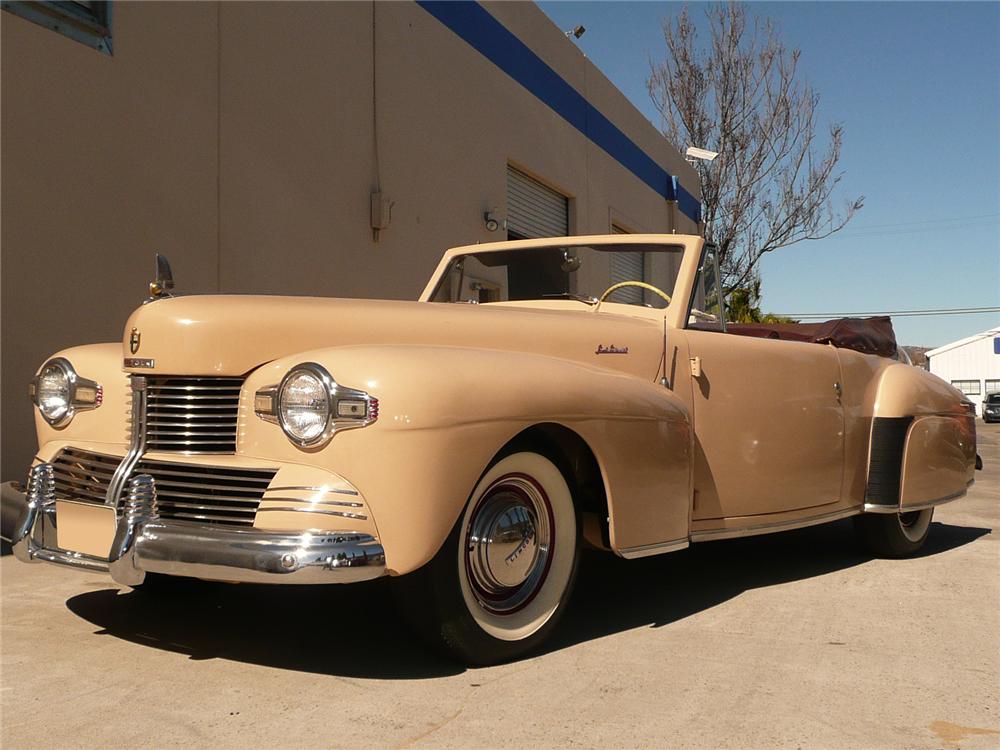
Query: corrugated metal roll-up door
[(626, 267), (534, 210)]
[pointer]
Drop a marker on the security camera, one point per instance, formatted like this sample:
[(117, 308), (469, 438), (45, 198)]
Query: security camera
[(492, 223), (576, 31)]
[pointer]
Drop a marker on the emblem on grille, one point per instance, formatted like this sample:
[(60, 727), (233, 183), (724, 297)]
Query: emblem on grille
[(136, 363), (133, 340)]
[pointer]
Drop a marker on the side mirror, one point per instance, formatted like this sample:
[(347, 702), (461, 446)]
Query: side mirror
[(570, 262)]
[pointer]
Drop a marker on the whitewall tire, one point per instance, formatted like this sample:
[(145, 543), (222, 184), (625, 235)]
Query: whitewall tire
[(894, 534), (500, 581)]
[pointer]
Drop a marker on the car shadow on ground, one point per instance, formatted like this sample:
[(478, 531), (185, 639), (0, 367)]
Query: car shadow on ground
[(355, 631)]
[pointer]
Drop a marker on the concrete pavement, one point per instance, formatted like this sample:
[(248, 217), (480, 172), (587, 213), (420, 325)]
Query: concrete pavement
[(798, 640)]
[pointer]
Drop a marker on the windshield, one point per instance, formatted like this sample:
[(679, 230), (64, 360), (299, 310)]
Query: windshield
[(581, 272)]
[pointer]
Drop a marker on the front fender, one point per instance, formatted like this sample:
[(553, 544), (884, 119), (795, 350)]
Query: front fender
[(446, 411)]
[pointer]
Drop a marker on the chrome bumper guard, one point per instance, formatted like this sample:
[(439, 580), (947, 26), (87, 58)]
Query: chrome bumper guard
[(144, 543)]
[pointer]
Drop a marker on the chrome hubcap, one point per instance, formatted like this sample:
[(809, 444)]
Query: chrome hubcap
[(508, 544)]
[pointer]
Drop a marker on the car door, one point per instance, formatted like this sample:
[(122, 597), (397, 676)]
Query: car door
[(769, 427)]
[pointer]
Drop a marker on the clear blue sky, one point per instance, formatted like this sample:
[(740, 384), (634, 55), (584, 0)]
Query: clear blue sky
[(917, 88)]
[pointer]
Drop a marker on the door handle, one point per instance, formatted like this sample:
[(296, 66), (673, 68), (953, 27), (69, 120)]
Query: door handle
[(695, 367)]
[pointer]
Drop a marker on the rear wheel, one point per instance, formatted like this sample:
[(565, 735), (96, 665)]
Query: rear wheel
[(499, 583), (894, 535)]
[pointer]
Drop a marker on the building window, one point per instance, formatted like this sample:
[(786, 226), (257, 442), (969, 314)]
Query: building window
[(81, 21), (968, 387), (993, 386)]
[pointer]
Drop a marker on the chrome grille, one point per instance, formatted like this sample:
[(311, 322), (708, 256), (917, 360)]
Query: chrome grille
[(193, 415), (208, 494), (189, 492), (83, 475)]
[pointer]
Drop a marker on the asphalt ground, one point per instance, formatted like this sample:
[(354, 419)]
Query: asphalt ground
[(796, 640)]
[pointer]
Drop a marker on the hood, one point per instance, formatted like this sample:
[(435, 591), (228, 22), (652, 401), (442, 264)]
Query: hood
[(234, 334)]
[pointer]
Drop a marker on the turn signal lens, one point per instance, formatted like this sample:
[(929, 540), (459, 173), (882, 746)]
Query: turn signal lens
[(351, 408)]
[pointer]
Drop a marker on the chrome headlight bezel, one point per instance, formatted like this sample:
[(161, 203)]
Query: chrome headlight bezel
[(82, 394), (346, 408)]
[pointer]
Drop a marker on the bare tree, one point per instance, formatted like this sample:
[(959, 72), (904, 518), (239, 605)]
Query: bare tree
[(739, 95)]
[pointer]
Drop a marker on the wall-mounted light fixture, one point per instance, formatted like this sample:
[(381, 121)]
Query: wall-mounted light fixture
[(700, 154), (493, 222)]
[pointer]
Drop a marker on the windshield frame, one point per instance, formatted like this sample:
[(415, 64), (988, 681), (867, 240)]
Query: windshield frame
[(682, 244)]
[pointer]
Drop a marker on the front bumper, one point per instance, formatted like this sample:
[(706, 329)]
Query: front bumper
[(147, 544)]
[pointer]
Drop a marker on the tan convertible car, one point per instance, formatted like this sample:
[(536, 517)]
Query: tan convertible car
[(537, 398)]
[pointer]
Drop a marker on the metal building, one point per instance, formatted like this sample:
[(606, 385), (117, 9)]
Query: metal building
[(971, 364)]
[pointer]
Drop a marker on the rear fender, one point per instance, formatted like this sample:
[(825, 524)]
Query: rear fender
[(923, 442)]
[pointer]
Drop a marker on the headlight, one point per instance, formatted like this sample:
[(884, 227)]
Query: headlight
[(52, 392), (304, 405), (310, 406), (59, 392)]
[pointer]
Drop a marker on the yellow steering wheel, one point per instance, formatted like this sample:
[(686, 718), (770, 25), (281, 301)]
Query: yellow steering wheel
[(615, 287)]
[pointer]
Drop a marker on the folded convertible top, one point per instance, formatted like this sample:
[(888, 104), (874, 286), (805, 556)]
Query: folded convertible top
[(866, 335)]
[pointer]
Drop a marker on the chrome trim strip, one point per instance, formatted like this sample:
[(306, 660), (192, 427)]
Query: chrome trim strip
[(297, 488), (244, 474), (339, 503), (237, 385), (659, 548), (137, 442), (884, 509), (288, 508), (767, 528), (75, 560), (922, 506)]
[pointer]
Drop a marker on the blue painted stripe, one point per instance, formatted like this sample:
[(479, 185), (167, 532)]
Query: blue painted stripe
[(470, 21)]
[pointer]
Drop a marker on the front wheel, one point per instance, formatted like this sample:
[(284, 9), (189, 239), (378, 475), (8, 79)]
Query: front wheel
[(497, 586), (894, 535)]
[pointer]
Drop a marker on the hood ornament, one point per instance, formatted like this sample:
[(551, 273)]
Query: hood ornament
[(162, 285), (133, 341)]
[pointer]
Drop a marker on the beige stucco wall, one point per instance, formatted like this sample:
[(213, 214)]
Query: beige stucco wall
[(237, 139)]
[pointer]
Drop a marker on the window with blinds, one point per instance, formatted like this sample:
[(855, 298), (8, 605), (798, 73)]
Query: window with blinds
[(968, 387), (85, 21), (627, 267), (533, 209)]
